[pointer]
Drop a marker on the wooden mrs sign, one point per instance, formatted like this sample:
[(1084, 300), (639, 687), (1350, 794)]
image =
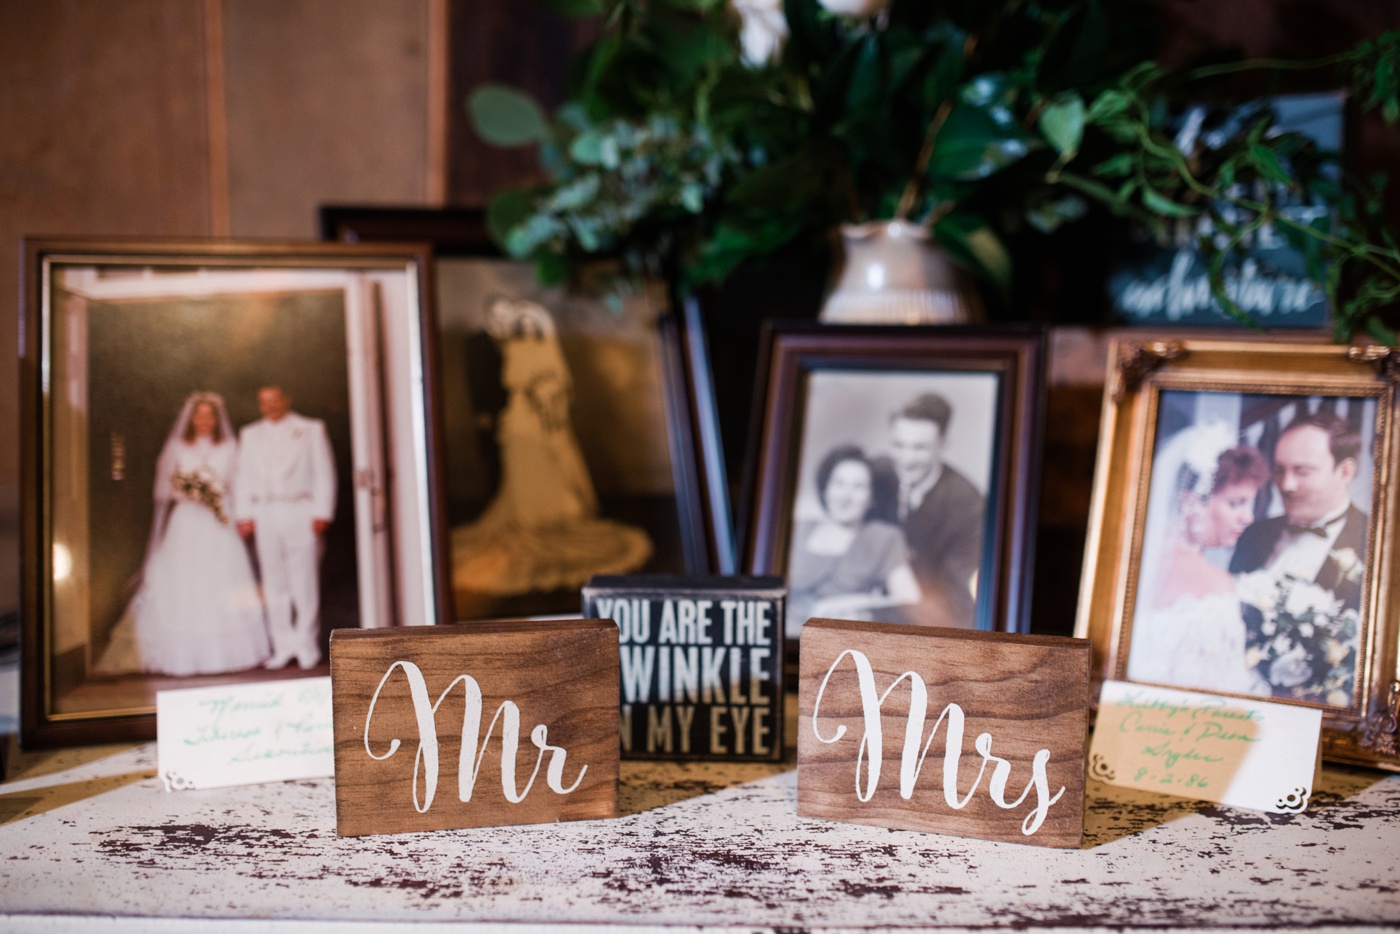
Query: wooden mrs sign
[(976, 734), (476, 725)]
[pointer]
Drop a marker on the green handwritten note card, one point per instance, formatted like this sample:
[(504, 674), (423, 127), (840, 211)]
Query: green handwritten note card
[(245, 734), (1241, 752)]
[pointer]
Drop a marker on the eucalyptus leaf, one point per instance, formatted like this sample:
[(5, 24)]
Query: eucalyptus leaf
[(985, 89), (942, 79), (1062, 123), (1051, 215), (991, 255), (905, 65), (971, 144), (507, 210), (576, 194), (693, 198), (587, 148), (1108, 106), (867, 89), (1377, 329), (1160, 204), (504, 116), (1267, 163), (1116, 166), (966, 235), (552, 268)]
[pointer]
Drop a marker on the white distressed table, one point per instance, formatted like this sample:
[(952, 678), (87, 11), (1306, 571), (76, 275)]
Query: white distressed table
[(101, 846)]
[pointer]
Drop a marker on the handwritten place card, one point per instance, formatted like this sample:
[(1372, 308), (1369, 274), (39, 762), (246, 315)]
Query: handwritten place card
[(474, 725), (977, 734), (244, 734), (1244, 753)]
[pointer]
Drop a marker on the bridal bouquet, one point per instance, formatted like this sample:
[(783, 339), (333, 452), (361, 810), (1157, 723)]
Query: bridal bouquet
[(1301, 640), (202, 486)]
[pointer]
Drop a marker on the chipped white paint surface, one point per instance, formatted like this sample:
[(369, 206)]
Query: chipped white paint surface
[(716, 846)]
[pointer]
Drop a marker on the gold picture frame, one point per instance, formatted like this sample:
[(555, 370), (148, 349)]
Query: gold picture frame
[(1171, 462)]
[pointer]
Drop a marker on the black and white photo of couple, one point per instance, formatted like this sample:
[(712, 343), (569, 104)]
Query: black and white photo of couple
[(892, 523), (202, 604), (1253, 559)]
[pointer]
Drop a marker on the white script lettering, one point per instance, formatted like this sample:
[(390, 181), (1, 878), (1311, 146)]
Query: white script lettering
[(469, 759), (870, 752)]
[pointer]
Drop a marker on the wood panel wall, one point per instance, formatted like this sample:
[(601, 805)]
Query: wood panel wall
[(202, 118)]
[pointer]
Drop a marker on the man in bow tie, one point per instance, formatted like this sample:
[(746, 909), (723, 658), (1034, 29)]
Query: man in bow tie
[(1321, 536), (284, 499)]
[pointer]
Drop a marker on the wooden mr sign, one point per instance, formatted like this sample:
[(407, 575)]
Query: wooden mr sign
[(475, 725), (976, 734)]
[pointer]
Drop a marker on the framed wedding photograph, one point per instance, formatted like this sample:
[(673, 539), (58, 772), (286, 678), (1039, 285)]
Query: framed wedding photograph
[(228, 450), (895, 473), (569, 436), (1242, 535)]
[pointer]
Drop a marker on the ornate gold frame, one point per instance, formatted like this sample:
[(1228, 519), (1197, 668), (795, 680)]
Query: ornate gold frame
[(1139, 369)]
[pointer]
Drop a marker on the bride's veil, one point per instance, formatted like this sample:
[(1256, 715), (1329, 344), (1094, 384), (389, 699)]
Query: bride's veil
[(1186, 462), (164, 491)]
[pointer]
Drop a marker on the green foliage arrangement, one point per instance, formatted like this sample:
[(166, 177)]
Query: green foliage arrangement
[(677, 152)]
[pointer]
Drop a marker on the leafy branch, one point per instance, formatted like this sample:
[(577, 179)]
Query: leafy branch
[(674, 152), (1254, 180)]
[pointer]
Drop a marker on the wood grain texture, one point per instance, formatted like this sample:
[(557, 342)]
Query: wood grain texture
[(523, 45), (560, 675), (1027, 693), (327, 102), (103, 130)]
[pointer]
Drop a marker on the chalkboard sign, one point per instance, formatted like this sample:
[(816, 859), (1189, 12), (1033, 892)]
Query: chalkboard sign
[(701, 672), (1166, 281)]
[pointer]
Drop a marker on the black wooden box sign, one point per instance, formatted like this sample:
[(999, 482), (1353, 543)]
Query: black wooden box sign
[(702, 664)]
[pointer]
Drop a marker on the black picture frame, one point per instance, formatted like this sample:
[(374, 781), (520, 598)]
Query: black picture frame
[(120, 335), (700, 542), (1010, 359)]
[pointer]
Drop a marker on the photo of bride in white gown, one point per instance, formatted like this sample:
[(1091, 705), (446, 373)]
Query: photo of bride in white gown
[(542, 530), (197, 609), (1188, 630)]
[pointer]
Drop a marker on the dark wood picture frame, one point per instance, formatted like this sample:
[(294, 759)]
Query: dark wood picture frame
[(704, 539), (704, 407), (118, 335), (796, 351)]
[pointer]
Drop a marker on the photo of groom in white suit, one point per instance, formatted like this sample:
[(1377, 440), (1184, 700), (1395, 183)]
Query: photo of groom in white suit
[(284, 500)]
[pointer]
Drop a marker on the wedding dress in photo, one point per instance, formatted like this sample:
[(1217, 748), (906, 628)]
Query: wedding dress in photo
[(1188, 630), (541, 532), (197, 609)]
